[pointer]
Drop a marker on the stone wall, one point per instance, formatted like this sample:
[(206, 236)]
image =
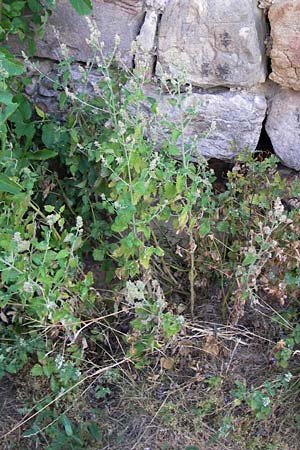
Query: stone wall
[(221, 47)]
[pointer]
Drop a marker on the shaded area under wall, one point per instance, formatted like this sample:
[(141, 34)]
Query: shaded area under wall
[(264, 146)]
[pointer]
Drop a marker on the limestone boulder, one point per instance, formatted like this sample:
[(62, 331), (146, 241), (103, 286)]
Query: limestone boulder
[(112, 17), (213, 42), (144, 57), (283, 127), (284, 18), (220, 124)]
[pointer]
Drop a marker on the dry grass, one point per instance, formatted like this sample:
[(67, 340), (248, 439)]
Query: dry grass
[(183, 399)]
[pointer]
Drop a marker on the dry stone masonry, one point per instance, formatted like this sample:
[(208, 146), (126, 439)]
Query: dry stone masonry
[(222, 125), (213, 42), (283, 126), (112, 17), (217, 46)]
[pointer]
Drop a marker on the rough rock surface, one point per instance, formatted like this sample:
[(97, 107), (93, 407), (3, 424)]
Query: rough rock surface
[(158, 5), (284, 18), (146, 43), (112, 17), (283, 127), (265, 4), (213, 42), (131, 6), (224, 124), (45, 91)]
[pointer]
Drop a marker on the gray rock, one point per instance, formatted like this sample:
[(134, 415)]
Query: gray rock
[(46, 84), (213, 42), (112, 17), (283, 127), (31, 88), (46, 92), (146, 43), (223, 123), (158, 5), (130, 6)]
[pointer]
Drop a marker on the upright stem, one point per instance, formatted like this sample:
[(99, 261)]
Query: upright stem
[(192, 273)]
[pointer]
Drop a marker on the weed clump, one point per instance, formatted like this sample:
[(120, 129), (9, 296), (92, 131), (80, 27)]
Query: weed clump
[(192, 274)]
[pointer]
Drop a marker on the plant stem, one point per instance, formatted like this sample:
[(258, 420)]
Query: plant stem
[(37, 210), (192, 274)]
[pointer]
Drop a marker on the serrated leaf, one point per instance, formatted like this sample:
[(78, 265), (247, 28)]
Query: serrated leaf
[(204, 229), (49, 208), (98, 254), (62, 254), (173, 150), (180, 184), (36, 370), (250, 258)]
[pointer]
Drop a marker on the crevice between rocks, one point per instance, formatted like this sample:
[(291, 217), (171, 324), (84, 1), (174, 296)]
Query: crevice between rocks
[(268, 45), (155, 57), (264, 146), (137, 34)]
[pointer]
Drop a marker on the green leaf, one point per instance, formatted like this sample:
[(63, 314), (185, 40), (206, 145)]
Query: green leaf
[(37, 370), (182, 220), (67, 425), (62, 254), (40, 112), (146, 256), (159, 251), (170, 190), (6, 97), (180, 184), (173, 150), (49, 208), (43, 154), (49, 134), (9, 186), (175, 134), (102, 392), (12, 66), (222, 226), (123, 219), (82, 7), (34, 5), (25, 108), (99, 254), (7, 112), (94, 430), (204, 229), (250, 258), (153, 103)]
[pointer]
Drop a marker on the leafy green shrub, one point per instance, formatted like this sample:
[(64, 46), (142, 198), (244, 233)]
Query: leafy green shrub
[(155, 222)]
